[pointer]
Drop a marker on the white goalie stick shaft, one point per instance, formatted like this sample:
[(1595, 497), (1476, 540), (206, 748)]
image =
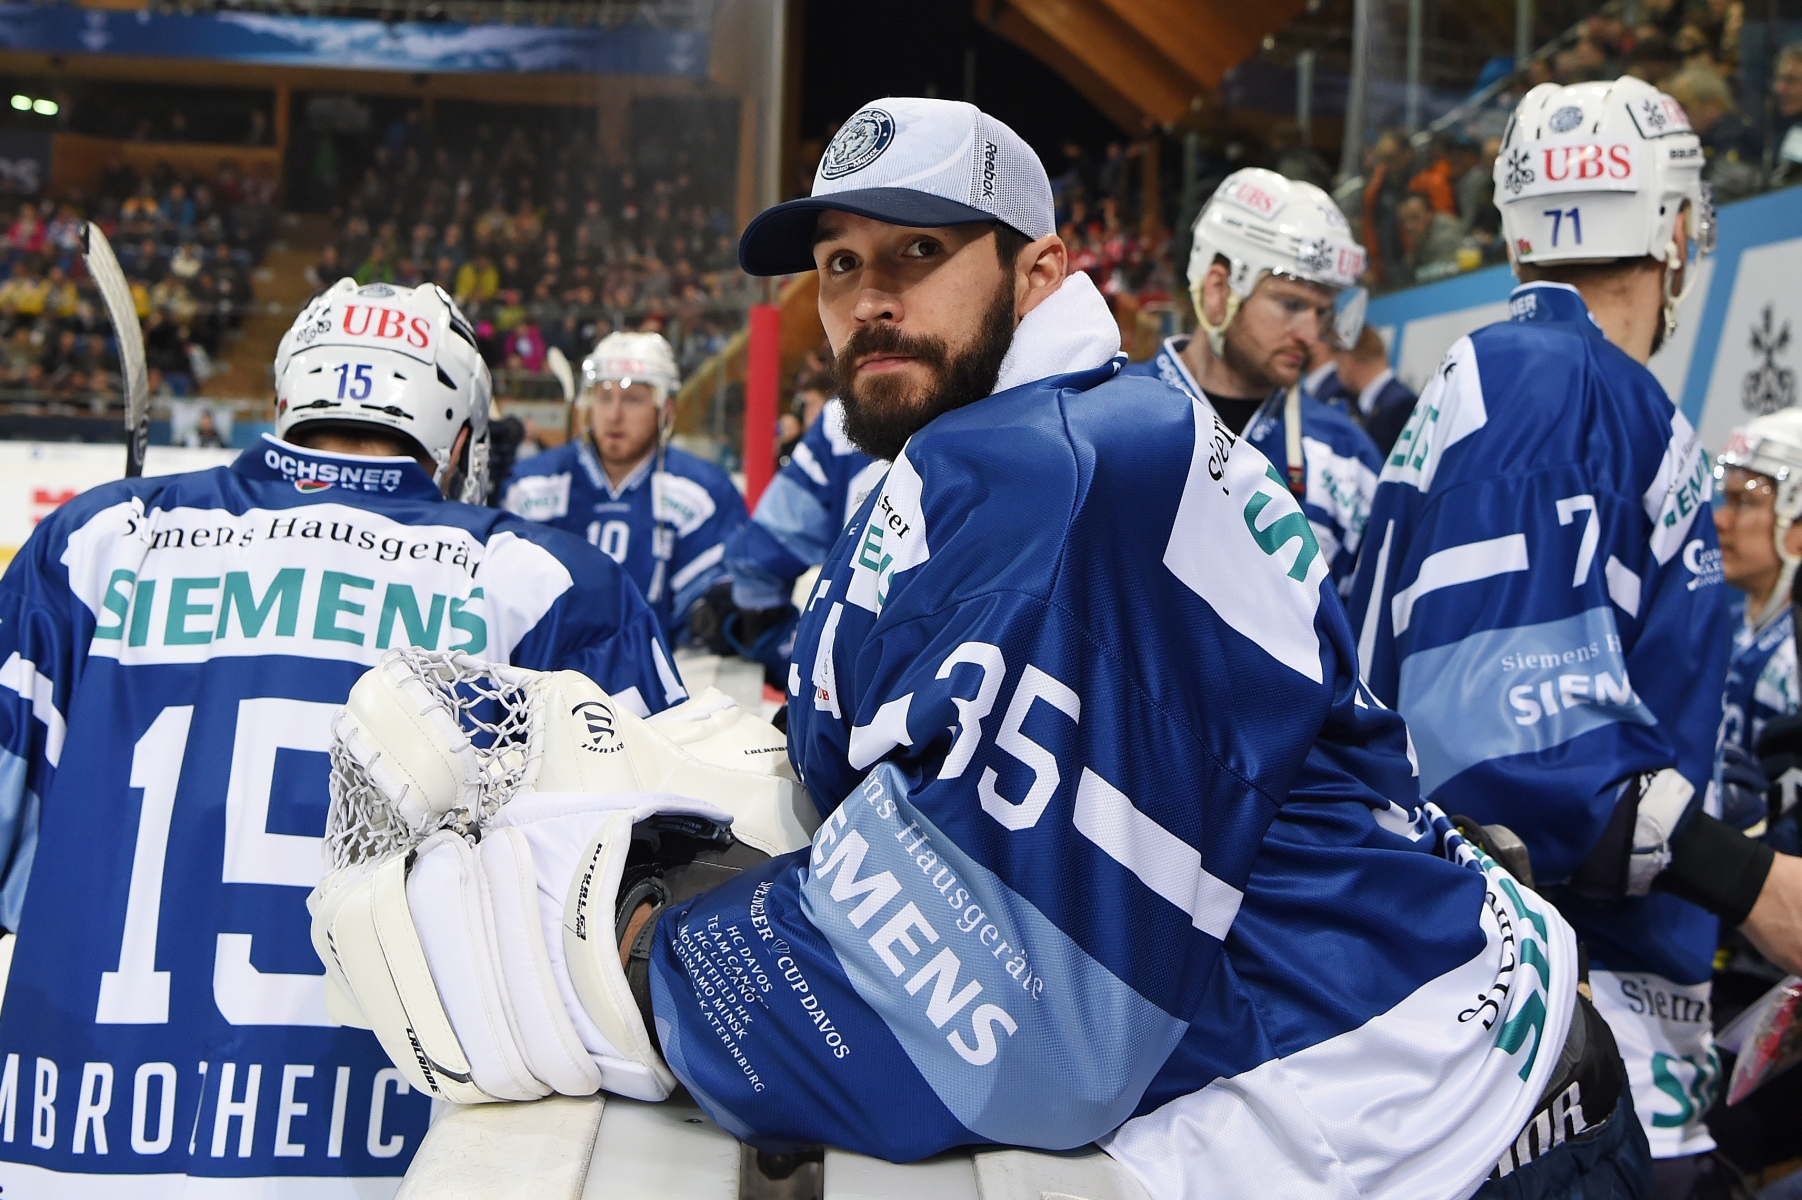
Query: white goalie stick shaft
[(103, 266), (558, 363)]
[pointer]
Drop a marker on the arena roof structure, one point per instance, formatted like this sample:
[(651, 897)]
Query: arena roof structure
[(1138, 61)]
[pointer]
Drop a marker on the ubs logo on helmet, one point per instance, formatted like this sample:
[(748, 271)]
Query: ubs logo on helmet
[(1588, 161), (598, 719)]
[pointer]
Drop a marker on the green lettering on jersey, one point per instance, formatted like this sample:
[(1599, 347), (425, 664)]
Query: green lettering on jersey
[(141, 603), (1283, 530), (1530, 1018), (117, 602), (252, 613), (400, 601), (332, 602), (175, 625), (470, 623)]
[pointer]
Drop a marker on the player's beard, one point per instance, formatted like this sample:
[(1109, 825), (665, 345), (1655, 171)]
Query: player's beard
[(881, 412), (1262, 373)]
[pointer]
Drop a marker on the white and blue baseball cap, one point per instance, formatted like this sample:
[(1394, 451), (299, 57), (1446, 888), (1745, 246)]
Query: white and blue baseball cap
[(913, 162)]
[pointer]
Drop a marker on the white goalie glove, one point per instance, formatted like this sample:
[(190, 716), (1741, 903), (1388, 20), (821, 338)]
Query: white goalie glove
[(491, 832)]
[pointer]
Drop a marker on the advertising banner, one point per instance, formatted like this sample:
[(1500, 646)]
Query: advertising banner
[(36, 477), (342, 42)]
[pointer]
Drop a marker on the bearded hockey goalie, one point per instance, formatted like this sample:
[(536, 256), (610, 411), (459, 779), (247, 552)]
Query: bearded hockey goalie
[(1114, 846)]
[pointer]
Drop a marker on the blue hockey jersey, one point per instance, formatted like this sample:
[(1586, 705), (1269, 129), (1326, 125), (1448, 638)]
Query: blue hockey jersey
[(1339, 461), (175, 650), (1115, 844), (667, 527), (801, 513), (1761, 679), (1541, 597)]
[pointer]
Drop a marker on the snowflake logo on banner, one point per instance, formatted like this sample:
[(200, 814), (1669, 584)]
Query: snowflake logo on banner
[(1654, 114), (1315, 256), (1768, 387), (1519, 173)]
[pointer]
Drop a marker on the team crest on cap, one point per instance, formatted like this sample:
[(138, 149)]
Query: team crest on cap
[(858, 143)]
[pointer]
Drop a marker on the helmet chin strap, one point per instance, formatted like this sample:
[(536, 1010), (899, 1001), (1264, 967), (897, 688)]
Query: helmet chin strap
[(1216, 334), (1673, 299), (1785, 576)]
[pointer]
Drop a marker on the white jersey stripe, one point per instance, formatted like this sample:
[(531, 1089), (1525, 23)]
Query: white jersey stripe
[(1164, 862), (21, 675), (1459, 564)]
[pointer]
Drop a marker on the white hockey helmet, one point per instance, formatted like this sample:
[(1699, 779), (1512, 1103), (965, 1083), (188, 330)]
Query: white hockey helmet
[(401, 358), (1595, 172), (1771, 446), (1263, 223), (629, 357)]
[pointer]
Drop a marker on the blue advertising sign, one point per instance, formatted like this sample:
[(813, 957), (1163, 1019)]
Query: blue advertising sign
[(368, 45)]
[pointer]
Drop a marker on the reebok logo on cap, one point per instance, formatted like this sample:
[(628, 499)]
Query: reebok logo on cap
[(912, 162)]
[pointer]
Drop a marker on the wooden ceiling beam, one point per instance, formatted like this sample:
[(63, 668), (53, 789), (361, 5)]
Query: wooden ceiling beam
[(1029, 37), (1206, 41), (1112, 51)]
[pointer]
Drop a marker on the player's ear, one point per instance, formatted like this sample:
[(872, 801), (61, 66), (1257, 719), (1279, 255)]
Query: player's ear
[(458, 449), (1216, 288), (1039, 271)]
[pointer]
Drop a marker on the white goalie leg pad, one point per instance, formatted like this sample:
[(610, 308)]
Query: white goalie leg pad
[(591, 745), (545, 1007), (323, 903), (371, 937), (450, 911)]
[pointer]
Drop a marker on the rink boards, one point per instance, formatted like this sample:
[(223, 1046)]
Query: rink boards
[(605, 1148)]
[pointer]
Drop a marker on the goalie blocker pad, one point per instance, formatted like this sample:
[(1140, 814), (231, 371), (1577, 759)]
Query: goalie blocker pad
[(493, 972)]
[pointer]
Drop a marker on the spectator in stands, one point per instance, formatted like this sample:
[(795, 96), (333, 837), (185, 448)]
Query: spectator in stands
[(525, 347), (1786, 90), (23, 295), (1434, 180), (812, 390), (1733, 149), (788, 434), (1653, 58), (205, 432), (61, 299), (1296, 159), (1477, 212), (26, 234), (1379, 401), (1388, 163), (1429, 240), (375, 268)]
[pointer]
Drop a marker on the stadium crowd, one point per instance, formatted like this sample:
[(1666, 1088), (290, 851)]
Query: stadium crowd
[(541, 248), (1423, 203), (188, 247)]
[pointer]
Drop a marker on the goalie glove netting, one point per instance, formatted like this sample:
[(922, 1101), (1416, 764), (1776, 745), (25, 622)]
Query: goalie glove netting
[(479, 708)]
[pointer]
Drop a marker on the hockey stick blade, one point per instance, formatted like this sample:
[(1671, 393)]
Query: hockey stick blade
[(558, 363), (103, 266)]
